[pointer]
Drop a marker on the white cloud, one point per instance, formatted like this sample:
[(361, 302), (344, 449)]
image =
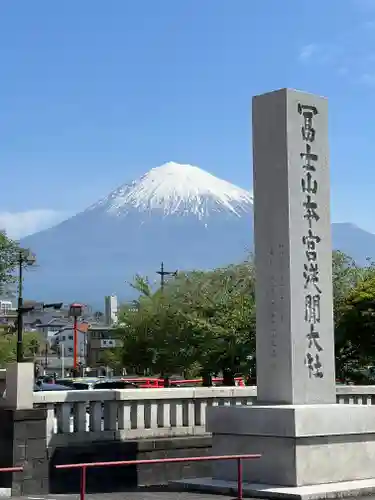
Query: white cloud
[(307, 51), (327, 53), (21, 224)]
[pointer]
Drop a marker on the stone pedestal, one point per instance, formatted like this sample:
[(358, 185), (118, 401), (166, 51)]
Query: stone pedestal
[(300, 445), (308, 452)]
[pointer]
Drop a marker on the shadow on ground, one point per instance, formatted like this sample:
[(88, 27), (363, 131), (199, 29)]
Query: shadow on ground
[(131, 477)]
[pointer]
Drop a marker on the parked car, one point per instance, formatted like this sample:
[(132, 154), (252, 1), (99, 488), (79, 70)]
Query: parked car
[(103, 384), (69, 382), (42, 386)]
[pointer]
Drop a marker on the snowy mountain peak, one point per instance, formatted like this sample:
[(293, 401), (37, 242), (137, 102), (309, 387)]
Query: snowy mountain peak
[(177, 189)]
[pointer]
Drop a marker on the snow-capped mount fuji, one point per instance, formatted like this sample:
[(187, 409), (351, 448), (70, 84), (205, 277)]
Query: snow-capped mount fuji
[(178, 214), (175, 189)]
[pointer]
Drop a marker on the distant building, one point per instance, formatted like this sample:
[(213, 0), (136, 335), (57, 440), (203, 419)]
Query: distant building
[(8, 312), (50, 326), (99, 339), (46, 321), (110, 310), (62, 341), (6, 306)]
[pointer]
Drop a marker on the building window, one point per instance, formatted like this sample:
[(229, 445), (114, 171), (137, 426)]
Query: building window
[(70, 349), (70, 337), (5, 307), (63, 338)]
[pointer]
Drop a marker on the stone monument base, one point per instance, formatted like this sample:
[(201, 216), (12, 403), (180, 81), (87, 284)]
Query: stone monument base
[(346, 489), (308, 451)]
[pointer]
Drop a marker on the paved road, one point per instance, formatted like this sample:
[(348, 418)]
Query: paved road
[(138, 495)]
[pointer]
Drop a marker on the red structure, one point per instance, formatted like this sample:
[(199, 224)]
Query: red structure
[(85, 466), (155, 383), (75, 310), (11, 469)]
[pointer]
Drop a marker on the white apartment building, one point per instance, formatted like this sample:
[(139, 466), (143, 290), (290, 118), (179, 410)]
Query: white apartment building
[(6, 306), (65, 338), (111, 310)]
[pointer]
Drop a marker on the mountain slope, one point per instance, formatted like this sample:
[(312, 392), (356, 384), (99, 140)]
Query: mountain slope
[(353, 241), (175, 213), (174, 189), (178, 214)]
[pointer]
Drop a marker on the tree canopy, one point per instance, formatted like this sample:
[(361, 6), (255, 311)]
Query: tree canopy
[(354, 331), (32, 345), (200, 322), (204, 322), (8, 259)]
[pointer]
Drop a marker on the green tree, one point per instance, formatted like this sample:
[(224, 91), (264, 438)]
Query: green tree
[(111, 358), (205, 321), (32, 343), (355, 332), (346, 276), (223, 317), (142, 285), (7, 350), (201, 321), (8, 259), (154, 337), (134, 321), (351, 284)]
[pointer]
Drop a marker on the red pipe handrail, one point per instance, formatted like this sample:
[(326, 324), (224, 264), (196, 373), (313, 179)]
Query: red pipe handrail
[(87, 465), (11, 469)]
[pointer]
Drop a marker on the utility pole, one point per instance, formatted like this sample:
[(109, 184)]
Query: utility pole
[(75, 310), (62, 347), (25, 257), (163, 274), (46, 356)]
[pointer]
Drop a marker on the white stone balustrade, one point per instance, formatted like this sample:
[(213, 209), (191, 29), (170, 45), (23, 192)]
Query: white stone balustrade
[(82, 416)]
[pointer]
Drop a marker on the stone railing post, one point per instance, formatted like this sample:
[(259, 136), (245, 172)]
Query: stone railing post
[(22, 435)]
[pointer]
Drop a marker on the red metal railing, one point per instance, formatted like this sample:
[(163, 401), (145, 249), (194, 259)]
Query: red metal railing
[(85, 466), (11, 469)]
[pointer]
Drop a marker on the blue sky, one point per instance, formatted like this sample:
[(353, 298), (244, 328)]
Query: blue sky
[(93, 94)]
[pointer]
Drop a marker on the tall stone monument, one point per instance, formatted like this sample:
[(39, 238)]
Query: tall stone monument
[(293, 250), (310, 446)]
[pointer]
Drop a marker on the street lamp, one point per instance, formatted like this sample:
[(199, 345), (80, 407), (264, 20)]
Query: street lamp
[(75, 310), (25, 258)]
